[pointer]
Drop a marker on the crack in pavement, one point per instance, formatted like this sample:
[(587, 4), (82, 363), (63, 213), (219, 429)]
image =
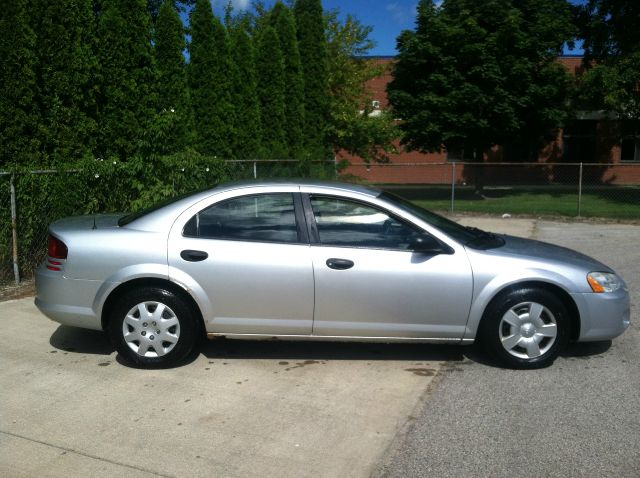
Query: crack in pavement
[(87, 455)]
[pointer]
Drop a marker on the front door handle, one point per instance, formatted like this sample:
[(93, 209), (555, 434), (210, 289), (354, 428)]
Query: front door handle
[(339, 264), (193, 256)]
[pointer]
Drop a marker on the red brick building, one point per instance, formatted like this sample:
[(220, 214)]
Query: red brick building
[(596, 138)]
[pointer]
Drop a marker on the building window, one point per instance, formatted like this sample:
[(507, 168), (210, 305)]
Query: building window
[(520, 151), (630, 142), (455, 155), (579, 141)]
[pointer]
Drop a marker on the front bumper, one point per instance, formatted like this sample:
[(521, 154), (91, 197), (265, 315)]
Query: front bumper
[(603, 316), (67, 301)]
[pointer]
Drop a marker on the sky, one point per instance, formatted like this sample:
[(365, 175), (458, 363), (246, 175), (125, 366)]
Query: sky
[(387, 17)]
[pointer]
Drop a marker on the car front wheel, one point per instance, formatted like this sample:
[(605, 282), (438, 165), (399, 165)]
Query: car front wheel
[(526, 328), (153, 327)]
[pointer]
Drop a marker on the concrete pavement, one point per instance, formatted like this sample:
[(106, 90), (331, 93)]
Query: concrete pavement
[(69, 408)]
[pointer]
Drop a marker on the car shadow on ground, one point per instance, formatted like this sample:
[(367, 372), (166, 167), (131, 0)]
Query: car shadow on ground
[(306, 350), (574, 350), (83, 341), (586, 349)]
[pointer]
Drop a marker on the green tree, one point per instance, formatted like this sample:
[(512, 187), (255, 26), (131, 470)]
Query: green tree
[(474, 74), (66, 78), (611, 37), (127, 101), (312, 43), (209, 81), (154, 7), (19, 117), (284, 23), (271, 94), (174, 123), (245, 97), (354, 127)]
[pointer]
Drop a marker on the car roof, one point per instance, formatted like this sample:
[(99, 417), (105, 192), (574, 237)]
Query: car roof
[(347, 187)]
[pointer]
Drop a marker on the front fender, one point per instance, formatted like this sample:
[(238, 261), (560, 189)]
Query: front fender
[(484, 292)]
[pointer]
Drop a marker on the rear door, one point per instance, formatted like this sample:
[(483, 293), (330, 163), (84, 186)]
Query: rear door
[(369, 284), (251, 258)]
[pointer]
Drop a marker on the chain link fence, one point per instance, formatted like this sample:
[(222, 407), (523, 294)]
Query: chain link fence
[(573, 190), (43, 196), (540, 189)]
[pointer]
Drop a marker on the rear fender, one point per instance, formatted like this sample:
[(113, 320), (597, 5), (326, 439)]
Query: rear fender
[(126, 274)]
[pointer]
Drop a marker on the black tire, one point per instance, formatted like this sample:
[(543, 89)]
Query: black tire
[(535, 311), (176, 322)]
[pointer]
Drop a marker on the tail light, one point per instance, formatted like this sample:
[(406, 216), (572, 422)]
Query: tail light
[(57, 250)]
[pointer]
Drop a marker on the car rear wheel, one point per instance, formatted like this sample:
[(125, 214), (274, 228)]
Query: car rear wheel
[(526, 328), (153, 327)]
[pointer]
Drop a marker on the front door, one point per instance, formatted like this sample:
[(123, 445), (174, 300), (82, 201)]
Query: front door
[(368, 283)]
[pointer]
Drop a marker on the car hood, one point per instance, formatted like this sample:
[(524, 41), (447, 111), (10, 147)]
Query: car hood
[(537, 250), (96, 221)]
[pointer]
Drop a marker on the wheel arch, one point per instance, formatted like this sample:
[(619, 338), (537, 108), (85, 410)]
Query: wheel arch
[(563, 296), (125, 287)]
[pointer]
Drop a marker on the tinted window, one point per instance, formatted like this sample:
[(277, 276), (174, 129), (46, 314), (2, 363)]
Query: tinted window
[(469, 236), (455, 230), (265, 217), (348, 223)]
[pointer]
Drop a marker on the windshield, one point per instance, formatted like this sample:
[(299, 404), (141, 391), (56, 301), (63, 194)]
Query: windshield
[(469, 236)]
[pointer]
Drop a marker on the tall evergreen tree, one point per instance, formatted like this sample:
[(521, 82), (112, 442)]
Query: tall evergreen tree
[(18, 113), (312, 44), (66, 78), (284, 23), (127, 102), (209, 81), (271, 93), (174, 123), (245, 97)]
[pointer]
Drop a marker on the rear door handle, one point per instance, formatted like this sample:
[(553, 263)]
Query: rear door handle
[(339, 264), (193, 256)]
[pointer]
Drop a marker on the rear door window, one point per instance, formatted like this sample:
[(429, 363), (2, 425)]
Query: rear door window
[(260, 217)]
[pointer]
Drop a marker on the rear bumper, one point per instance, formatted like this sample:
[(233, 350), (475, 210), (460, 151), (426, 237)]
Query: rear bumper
[(603, 316), (67, 301)]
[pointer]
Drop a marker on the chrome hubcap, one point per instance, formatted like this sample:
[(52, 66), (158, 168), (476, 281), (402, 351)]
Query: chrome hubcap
[(528, 330), (151, 329)]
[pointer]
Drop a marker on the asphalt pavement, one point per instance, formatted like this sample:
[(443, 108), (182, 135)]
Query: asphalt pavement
[(577, 418)]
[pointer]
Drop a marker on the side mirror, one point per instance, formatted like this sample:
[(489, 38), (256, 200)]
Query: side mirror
[(427, 244)]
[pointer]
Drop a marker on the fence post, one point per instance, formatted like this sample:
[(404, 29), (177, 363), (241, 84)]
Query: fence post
[(453, 184), (14, 230), (255, 170), (580, 190)]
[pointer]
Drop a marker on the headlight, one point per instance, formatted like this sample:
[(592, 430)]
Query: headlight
[(603, 282)]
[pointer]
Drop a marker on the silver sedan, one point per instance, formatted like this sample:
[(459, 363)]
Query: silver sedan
[(319, 261)]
